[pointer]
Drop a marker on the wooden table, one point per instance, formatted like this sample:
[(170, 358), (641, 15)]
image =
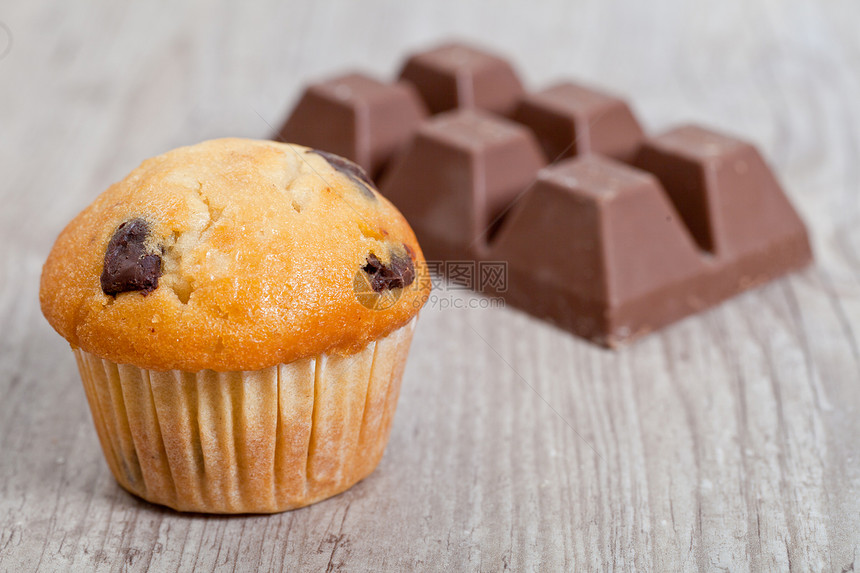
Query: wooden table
[(729, 441)]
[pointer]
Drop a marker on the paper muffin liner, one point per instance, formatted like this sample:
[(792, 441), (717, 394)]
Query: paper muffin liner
[(247, 442)]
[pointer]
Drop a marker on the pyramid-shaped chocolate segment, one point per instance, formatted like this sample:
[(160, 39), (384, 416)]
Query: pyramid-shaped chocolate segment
[(356, 117), (570, 120), (459, 76), (728, 196), (458, 176), (598, 248)]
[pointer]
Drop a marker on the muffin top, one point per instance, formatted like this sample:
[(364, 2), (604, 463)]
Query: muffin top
[(234, 254)]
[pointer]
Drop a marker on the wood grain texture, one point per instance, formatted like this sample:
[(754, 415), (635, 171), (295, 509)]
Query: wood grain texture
[(730, 441)]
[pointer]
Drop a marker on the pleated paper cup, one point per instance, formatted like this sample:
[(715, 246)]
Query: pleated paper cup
[(247, 442)]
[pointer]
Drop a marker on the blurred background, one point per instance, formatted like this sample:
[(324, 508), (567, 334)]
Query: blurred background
[(728, 441)]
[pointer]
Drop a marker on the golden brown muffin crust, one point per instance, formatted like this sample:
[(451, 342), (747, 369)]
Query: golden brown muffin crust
[(260, 245)]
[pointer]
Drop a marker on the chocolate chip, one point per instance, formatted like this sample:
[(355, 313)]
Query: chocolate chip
[(128, 267), (355, 173), (397, 274)]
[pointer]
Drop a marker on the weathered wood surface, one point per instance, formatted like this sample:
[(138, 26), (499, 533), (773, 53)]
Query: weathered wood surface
[(728, 442)]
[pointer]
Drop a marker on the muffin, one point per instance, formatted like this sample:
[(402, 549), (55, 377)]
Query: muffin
[(241, 312)]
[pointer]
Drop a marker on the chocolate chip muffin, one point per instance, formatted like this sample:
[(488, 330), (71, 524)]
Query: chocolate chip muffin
[(241, 312)]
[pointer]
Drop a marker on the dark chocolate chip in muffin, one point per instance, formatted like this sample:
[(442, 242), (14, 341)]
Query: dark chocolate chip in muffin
[(128, 266), (400, 272), (356, 174)]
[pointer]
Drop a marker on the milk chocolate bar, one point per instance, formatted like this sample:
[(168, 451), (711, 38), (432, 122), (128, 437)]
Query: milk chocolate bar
[(619, 235)]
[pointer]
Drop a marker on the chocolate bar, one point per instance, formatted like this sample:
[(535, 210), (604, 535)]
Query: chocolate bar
[(620, 235)]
